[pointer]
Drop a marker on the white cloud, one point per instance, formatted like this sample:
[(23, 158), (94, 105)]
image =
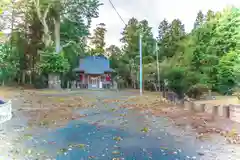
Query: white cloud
[(154, 11)]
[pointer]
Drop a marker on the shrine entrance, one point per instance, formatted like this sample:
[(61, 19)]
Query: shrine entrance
[(94, 81)]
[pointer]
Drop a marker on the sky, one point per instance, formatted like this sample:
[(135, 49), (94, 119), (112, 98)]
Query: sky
[(154, 11)]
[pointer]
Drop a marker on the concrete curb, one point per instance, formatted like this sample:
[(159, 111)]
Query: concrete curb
[(230, 111)]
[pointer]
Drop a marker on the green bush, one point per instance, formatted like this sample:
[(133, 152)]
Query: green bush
[(197, 90), (51, 62), (40, 82), (177, 81)]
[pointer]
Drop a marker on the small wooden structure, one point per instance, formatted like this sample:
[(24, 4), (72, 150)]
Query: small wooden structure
[(93, 72)]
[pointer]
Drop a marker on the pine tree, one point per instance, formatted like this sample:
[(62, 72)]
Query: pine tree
[(98, 39), (199, 20)]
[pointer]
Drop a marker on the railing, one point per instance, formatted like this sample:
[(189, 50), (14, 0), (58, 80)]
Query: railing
[(5, 111)]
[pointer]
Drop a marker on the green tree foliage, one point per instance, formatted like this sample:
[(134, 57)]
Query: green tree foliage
[(176, 80), (192, 63), (50, 62), (227, 77), (199, 20), (168, 37), (98, 39), (148, 41), (4, 18), (9, 61), (129, 60), (209, 50), (163, 28), (210, 15), (43, 23), (237, 75), (113, 51), (163, 34), (205, 58)]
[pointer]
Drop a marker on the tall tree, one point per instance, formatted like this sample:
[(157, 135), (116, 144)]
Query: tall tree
[(227, 77), (148, 41), (163, 28), (98, 39), (163, 38), (42, 32), (199, 20), (73, 10), (210, 15), (172, 38), (130, 40), (113, 51), (9, 60)]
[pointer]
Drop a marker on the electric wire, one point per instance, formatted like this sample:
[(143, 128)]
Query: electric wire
[(117, 12)]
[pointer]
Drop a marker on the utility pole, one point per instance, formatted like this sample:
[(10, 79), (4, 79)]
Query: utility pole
[(140, 55), (158, 74)]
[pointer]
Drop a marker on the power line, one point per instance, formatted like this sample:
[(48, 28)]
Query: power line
[(117, 12), (140, 50)]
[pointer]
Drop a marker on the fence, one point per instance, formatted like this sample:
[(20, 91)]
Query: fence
[(5, 111)]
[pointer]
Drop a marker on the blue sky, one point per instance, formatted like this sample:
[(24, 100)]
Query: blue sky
[(154, 11)]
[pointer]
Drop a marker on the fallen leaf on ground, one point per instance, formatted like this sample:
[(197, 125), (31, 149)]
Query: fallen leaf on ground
[(117, 138), (145, 130)]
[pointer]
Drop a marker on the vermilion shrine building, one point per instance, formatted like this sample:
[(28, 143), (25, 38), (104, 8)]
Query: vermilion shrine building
[(93, 72)]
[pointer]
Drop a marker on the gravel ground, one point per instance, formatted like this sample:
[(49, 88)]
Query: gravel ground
[(26, 106)]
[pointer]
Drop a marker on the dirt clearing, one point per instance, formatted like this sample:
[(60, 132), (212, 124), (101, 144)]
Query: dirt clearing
[(204, 124), (51, 111)]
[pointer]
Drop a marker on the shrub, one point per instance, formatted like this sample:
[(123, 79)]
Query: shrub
[(197, 90), (51, 62)]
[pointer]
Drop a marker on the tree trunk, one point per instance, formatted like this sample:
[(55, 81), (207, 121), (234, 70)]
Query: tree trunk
[(155, 86), (43, 20), (30, 78), (68, 84), (23, 77), (57, 34), (19, 79), (164, 92), (56, 80)]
